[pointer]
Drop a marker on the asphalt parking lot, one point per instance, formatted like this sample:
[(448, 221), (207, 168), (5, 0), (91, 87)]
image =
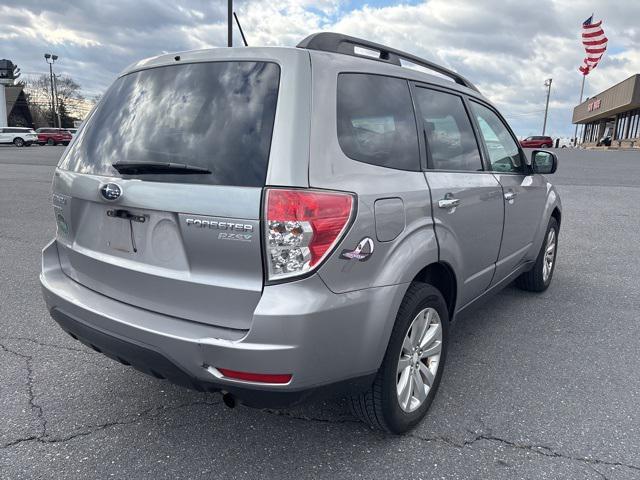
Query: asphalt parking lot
[(536, 386)]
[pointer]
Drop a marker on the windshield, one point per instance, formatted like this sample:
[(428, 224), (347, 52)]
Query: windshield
[(217, 116)]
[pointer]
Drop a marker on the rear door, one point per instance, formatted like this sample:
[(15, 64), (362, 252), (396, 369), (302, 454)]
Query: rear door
[(4, 136), (170, 240), (524, 193), (466, 199)]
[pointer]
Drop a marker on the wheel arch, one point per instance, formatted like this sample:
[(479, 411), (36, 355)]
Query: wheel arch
[(557, 214), (441, 276)]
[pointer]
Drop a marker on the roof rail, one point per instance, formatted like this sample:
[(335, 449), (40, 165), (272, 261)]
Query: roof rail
[(338, 43)]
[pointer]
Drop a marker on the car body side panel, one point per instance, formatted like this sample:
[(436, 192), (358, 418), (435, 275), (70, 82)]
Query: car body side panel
[(521, 219), (392, 262), (469, 234)]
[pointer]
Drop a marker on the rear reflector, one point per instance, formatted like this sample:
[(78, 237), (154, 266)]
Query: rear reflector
[(302, 228), (256, 377)]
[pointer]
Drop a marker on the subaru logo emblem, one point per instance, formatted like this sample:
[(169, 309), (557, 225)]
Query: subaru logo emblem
[(110, 191)]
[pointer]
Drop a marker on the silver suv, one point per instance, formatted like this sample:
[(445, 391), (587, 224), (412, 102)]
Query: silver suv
[(277, 223)]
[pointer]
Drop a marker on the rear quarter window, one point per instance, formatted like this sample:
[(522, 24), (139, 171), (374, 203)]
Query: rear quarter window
[(376, 121)]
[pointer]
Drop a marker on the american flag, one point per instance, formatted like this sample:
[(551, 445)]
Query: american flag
[(595, 44)]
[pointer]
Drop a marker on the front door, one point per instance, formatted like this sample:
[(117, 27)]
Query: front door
[(524, 193), (466, 200)]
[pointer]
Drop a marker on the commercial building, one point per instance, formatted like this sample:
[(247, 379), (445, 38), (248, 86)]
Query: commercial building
[(14, 110), (615, 112)]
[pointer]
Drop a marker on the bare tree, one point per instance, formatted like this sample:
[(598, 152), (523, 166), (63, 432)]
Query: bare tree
[(71, 103)]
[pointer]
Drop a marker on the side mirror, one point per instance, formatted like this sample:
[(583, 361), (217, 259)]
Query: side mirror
[(544, 162)]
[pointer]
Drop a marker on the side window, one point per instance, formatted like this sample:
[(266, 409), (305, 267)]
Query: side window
[(376, 122), (504, 154), (450, 138)]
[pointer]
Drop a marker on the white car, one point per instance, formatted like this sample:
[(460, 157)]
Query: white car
[(19, 136)]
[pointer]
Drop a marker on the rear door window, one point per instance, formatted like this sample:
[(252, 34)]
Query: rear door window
[(376, 121), (451, 142), (218, 116)]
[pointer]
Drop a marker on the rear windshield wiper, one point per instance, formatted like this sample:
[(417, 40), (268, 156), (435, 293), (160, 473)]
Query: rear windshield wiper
[(140, 168)]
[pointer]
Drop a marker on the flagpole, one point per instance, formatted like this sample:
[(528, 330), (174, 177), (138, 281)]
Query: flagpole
[(575, 135)]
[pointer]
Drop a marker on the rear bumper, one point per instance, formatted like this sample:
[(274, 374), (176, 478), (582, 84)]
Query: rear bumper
[(329, 342)]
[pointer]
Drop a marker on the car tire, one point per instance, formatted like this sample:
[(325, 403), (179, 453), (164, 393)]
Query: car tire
[(50, 142), (65, 143), (380, 406), (18, 142), (539, 277)]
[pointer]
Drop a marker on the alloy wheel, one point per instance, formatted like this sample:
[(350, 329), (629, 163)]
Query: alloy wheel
[(549, 255), (419, 359)]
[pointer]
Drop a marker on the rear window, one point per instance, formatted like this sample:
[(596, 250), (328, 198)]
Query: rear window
[(376, 122), (216, 115)]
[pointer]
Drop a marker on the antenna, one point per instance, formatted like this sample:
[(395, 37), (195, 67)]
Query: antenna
[(240, 28)]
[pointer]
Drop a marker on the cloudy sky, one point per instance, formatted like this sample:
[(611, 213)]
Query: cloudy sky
[(506, 47)]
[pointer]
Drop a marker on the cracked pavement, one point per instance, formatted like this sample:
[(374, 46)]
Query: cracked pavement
[(536, 386)]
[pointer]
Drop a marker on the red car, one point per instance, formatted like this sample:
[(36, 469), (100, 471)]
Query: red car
[(537, 142), (53, 136)]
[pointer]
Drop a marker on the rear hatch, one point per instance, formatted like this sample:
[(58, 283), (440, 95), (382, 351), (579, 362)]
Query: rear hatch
[(158, 199)]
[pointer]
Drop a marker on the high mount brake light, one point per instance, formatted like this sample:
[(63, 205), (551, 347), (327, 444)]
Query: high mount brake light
[(302, 228)]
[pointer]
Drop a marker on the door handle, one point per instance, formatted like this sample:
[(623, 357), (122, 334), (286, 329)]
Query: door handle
[(448, 202), (510, 196)]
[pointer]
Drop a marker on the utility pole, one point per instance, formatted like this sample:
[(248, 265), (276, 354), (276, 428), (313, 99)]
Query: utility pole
[(230, 23), (575, 135), (50, 59), (55, 88), (547, 83)]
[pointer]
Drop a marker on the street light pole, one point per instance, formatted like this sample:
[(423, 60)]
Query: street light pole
[(55, 89), (50, 59), (230, 23), (547, 83)]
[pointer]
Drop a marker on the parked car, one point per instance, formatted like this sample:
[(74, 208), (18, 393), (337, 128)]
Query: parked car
[(72, 131), (604, 141), (537, 142), (19, 136), (298, 251), (53, 136)]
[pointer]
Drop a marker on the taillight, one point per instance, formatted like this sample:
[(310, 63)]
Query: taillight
[(302, 228)]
